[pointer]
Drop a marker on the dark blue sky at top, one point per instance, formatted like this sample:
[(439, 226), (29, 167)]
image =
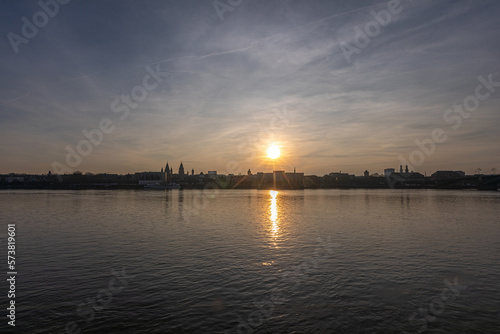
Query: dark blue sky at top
[(229, 78)]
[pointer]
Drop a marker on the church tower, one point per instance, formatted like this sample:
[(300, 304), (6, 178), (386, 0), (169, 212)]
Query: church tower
[(181, 170)]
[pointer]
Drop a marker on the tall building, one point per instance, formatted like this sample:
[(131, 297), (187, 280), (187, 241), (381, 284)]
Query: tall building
[(389, 171), (163, 176), (181, 170)]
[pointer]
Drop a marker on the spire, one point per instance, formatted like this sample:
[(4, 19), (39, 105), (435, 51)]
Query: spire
[(167, 168), (181, 169), (294, 171)]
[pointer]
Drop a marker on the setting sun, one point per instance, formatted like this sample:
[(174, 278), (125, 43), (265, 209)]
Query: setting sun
[(273, 152)]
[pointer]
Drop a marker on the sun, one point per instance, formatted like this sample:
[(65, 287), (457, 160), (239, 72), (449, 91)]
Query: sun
[(273, 152)]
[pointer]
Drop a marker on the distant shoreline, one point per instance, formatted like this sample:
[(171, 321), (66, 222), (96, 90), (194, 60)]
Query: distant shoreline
[(141, 187)]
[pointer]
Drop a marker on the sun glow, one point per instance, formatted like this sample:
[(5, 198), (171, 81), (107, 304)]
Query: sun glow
[(273, 152)]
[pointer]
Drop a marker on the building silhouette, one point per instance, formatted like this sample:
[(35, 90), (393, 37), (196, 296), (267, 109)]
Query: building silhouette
[(181, 170)]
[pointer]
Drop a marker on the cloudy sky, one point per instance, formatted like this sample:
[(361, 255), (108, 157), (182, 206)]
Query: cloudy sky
[(236, 78)]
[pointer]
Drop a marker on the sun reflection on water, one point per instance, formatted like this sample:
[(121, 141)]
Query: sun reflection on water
[(274, 213)]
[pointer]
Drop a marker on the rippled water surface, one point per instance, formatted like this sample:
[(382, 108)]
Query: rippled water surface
[(243, 261)]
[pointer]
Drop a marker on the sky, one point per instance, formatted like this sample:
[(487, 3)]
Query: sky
[(338, 85)]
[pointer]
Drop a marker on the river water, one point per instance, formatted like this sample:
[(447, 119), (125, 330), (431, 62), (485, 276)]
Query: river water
[(254, 261)]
